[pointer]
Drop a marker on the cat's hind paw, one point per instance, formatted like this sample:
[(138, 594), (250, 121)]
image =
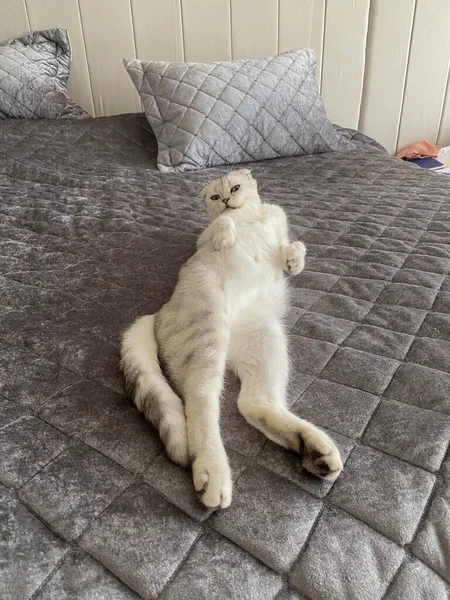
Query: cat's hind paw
[(212, 479), (320, 455)]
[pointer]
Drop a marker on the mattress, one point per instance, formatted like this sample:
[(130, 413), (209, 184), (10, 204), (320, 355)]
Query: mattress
[(91, 237)]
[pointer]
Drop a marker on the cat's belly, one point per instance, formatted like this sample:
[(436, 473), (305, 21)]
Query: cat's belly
[(261, 301), (253, 282), (246, 277)]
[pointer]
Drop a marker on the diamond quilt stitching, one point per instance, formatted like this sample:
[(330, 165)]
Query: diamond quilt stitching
[(34, 70), (185, 144), (91, 243)]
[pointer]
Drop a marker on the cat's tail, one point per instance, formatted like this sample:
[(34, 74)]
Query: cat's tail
[(151, 391)]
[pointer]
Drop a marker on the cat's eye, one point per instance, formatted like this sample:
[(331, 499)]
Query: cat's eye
[(235, 188), (215, 197)]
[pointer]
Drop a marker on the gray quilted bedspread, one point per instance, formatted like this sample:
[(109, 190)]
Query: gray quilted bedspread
[(91, 236)]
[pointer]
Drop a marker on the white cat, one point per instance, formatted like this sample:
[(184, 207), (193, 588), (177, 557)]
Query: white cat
[(227, 309)]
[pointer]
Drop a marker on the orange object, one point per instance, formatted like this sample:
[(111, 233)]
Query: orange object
[(419, 150)]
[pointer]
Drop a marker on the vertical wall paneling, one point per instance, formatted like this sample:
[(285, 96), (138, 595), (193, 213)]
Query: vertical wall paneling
[(318, 34), (108, 33), (206, 27), (444, 128), (254, 28), (13, 19), (295, 24), (302, 26), (346, 24), (388, 45), (44, 14), (383, 65), (427, 74), (158, 30)]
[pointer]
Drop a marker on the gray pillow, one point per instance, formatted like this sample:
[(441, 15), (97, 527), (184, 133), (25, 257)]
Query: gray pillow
[(34, 70), (208, 114)]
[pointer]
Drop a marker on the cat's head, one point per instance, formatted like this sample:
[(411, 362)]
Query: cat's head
[(236, 191)]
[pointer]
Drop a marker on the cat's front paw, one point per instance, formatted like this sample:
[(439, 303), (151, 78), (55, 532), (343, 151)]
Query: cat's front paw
[(212, 478), (295, 257), (224, 238)]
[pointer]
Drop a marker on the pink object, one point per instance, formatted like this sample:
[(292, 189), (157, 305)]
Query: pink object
[(419, 150)]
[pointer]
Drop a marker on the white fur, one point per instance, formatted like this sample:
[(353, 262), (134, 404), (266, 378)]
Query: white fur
[(139, 350), (227, 308)]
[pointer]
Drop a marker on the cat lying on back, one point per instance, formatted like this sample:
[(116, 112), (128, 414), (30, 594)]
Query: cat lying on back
[(227, 309)]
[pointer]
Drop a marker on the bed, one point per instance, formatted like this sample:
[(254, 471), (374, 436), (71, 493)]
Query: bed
[(92, 236)]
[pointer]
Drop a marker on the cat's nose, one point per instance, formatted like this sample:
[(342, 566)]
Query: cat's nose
[(225, 200)]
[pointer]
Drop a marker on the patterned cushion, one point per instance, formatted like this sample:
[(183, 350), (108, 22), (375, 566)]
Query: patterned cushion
[(34, 70), (209, 114)]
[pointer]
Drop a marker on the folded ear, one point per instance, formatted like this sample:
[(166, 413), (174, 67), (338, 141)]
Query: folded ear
[(245, 173), (203, 192)]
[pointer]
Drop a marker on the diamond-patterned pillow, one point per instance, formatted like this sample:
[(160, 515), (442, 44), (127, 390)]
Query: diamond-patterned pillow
[(34, 70), (209, 114)]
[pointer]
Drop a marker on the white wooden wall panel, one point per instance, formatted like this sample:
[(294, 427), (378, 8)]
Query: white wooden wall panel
[(158, 30), (13, 19), (428, 67), (301, 25), (444, 129), (346, 24), (54, 13), (388, 44), (254, 28), (109, 37), (206, 27), (383, 64), (318, 35)]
